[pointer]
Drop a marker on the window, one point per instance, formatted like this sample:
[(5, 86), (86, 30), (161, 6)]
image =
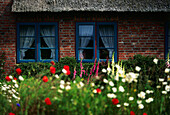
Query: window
[(167, 43), (96, 40), (37, 42)]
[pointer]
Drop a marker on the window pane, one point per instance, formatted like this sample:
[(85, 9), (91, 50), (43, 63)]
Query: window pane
[(106, 53), (85, 42), (27, 42), (47, 53), (27, 54), (47, 42), (86, 54), (86, 30), (107, 42), (106, 30), (27, 30), (47, 30)]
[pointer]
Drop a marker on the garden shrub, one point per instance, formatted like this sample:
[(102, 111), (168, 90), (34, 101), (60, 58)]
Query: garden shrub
[(149, 70)]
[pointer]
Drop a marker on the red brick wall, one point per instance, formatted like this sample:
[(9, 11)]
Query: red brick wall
[(141, 36), (7, 34), (138, 33)]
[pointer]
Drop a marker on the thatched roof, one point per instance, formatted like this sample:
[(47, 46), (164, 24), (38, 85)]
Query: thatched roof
[(91, 5)]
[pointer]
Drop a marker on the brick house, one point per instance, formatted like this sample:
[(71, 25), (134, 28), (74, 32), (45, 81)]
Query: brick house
[(45, 30)]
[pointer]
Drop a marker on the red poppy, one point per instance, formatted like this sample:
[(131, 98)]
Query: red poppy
[(45, 78), (115, 101), (98, 90), (132, 113), (15, 78), (66, 67), (7, 78), (47, 101), (144, 113), (52, 62), (18, 70), (11, 114), (68, 72), (52, 70)]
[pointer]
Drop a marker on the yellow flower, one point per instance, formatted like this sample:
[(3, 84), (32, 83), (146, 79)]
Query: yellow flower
[(134, 90)]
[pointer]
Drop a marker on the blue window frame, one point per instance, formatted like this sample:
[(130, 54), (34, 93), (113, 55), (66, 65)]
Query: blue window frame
[(167, 40), (96, 40), (37, 42)]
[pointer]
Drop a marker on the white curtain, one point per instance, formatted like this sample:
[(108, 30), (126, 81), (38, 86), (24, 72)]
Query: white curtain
[(50, 41), (107, 41), (86, 32), (26, 42)]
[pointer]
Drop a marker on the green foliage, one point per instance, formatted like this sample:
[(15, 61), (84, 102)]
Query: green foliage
[(2, 63), (149, 70)]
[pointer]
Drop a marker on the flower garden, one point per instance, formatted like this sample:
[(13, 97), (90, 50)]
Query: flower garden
[(133, 87)]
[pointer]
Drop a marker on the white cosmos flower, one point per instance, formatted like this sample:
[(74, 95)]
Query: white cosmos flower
[(164, 83), (64, 71), (147, 91), (68, 87), (111, 83), (13, 90), (164, 92), (131, 76), (150, 99), (141, 106), (62, 86), (137, 68), (151, 91), (81, 84), (118, 105), (161, 79), (3, 88), (158, 86), (111, 95), (121, 89), (62, 82), (14, 81), (104, 70), (139, 101), (109, 69), (105, 80), (94, 91), (13, 95), (131, 98), (92, 84), (9, 91), (21, 78), (10, 77), (114, 89), (155, 61), (126, 104), (167, 70), (123, 80), (60, 91), (16, 85), (167, 88), (102, 87), (56, 76), (68, 83), (142, 95)]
